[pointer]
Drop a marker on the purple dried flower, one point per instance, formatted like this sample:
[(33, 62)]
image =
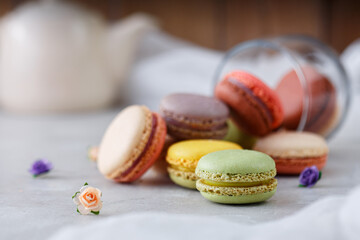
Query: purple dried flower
[(309, 176), (40, 166)]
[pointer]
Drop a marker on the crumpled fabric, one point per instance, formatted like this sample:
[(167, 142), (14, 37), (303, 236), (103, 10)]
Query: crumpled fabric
[(332, 217)]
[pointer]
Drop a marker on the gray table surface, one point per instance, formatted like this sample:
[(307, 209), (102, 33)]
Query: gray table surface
[(36, 208)]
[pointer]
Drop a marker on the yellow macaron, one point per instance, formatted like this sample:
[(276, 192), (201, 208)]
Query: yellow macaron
[(183, 158)]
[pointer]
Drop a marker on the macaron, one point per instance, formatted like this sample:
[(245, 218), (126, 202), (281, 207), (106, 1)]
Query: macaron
[(238, 136), (236, 176), (131, 144), (322, 113), (160, 165), (255, 107), (294, 151), (191, 116), (183, 157)]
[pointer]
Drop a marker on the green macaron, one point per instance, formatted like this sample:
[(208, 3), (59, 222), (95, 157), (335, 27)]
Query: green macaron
[(235, 135), (236, 176)]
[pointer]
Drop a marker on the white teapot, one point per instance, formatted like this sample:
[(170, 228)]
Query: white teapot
[(56, 57)]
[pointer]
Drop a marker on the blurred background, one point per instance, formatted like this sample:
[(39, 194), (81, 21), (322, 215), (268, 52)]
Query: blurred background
[(77, 55), (220, 24)]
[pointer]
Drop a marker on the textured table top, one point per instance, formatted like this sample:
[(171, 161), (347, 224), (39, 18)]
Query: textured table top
[(36, 208)]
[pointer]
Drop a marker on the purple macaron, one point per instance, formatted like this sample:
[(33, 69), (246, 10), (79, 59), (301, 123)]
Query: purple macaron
[(191, 116)]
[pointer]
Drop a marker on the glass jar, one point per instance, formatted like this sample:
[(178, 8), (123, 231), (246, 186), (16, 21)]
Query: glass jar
[(305, 73)]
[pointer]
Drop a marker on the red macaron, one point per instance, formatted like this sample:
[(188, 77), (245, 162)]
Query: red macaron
[(255, 107)]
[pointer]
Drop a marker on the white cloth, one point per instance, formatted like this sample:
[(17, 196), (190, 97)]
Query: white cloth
[(333, 217), (166, 65), (351, 61)]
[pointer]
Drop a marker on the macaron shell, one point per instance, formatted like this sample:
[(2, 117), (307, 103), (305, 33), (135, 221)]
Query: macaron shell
[(238, 136), (194, 107), (187, 153), (245, 110), (262, 91), (291, 95), (255, 107), (240, 162), (150, 155), (160, 165), (183, 181), (322, 100), (291, 144), (236, 176), (183, 157), (297, 165), (124, 140), (322, 106), (191, 116), (329, 125), (241, 199)]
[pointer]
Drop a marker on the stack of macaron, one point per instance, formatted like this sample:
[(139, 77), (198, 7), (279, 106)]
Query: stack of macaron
[(255, 107), (184, 156), (199, 140)]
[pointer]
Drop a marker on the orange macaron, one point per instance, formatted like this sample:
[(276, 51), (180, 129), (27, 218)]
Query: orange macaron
[(294, 151), (131, 144), (255, 107)]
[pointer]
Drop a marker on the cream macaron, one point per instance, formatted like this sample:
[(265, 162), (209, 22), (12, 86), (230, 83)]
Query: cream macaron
[(294, 151), (131, 144)]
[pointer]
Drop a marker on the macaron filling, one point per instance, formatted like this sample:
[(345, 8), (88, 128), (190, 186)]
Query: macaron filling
[(262, 105), (148, 144), (231, 191), (183, 133), (224, 177), (181, 168), (209, 127), (235, 184)]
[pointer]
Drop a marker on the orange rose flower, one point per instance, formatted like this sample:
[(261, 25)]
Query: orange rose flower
[(88, 200)]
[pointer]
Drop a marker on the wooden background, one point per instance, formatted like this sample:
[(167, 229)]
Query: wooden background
[(220, 24)]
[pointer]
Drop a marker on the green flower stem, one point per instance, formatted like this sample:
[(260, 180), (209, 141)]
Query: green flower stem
[(75, 194)]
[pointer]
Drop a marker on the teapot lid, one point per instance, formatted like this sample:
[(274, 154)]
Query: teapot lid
[(57, 15)]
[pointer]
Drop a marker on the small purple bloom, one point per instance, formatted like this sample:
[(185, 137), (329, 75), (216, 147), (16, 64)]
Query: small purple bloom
[(40, 166), (309, 176)]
